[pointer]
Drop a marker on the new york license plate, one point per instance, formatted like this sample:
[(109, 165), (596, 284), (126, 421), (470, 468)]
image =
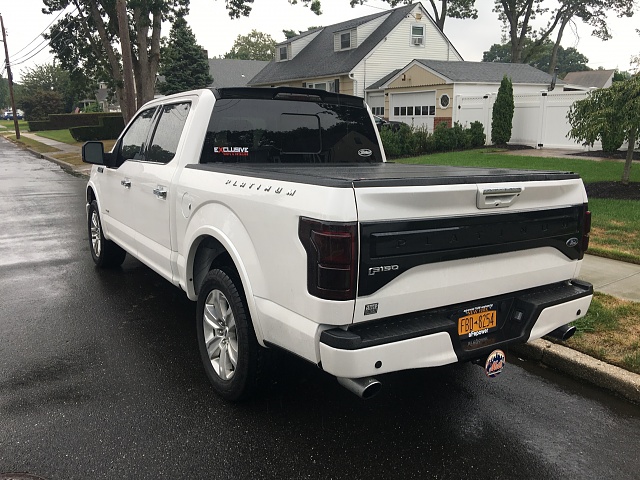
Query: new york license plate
[(477, 323)]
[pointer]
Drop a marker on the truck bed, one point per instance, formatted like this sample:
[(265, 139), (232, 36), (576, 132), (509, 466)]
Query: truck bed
[(380, 174)]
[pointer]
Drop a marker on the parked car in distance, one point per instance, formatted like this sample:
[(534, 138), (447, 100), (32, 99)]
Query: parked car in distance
[(382, 123), (8, 115)]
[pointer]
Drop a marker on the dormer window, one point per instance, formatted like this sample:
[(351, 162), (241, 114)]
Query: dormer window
[(417, 35), (345, 40), (282, 53)]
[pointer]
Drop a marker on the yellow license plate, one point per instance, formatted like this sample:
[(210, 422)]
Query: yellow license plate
[(477, 323)]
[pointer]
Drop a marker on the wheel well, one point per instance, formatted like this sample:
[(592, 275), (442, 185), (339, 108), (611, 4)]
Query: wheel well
[(91, 196), (211, 254)]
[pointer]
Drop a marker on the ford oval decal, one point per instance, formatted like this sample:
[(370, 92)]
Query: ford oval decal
[(364, 152), (572, 242)]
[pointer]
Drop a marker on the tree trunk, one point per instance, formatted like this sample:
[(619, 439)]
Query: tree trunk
[(128, 106), (439, 16), (146, 65), (114, 65), (626, 173), (554, 53)]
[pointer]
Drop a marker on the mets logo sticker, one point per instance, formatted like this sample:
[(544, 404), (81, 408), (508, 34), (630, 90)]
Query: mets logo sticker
[(495, 363)]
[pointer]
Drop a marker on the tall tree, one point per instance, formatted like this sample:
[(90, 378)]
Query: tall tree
[(117, 40), (254, 46), (184, 63), (502, 115), (518, 16), (4, 92), (539, 56), (606, 111), (50, 78), (440, 9)]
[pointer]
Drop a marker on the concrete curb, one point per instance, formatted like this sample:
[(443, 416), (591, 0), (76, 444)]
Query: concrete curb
[(578, 365), (61, 163)]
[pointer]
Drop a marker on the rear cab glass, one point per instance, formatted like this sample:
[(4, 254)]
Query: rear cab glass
[(290, 129)]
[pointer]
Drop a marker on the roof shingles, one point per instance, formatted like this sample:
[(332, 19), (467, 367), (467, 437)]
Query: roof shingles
[(318, 59)]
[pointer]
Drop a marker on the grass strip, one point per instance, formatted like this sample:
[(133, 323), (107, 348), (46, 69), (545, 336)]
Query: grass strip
[(610, 331), (32, 144)]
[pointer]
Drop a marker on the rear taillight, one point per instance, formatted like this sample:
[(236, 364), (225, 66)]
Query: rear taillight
[(332, 254), (586, 228)]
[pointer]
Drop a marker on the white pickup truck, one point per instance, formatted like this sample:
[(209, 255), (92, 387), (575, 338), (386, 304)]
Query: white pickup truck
[(276, 210)]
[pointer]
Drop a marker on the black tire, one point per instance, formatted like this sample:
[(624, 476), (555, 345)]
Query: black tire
[(227, 326), (105, 253)]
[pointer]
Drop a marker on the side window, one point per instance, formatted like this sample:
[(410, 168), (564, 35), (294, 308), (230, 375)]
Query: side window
[(168, 132), (135, 138)]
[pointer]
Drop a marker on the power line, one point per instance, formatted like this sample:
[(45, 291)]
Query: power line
[(43, 31), (44, 44)]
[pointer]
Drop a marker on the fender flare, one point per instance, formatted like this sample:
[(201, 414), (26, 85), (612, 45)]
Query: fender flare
[(198, 231)]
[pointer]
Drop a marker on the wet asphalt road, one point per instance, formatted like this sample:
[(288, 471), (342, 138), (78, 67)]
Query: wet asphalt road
[(100, 379)]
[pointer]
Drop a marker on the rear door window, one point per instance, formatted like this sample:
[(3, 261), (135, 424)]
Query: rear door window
[(289, 131), (168, 132)]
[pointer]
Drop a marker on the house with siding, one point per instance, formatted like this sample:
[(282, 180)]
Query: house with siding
[(349, 56), (426, 92)]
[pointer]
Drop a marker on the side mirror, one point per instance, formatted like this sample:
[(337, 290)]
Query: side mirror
[(93, 152)]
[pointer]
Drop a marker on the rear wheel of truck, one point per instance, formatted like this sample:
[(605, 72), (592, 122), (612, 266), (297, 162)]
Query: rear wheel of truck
[(104, 252), (232, 357)]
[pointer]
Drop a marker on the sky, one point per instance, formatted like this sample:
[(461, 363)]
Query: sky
[(215, 31)]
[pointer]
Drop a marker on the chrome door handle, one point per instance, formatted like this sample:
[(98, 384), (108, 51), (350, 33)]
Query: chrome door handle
[(160, 192), (126, 183)]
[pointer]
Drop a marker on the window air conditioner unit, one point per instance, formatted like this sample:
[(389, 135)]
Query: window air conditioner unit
[(417, 40)]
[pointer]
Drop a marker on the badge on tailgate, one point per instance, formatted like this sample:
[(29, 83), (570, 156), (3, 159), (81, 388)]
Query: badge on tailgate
[(477, 321)]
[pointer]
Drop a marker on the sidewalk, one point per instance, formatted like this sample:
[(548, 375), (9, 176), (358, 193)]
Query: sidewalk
[(613, 277)]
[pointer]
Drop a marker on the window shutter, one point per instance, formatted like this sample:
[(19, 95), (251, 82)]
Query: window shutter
[(304, 84), (336, 85)]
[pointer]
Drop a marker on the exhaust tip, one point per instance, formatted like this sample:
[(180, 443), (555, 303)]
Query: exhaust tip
[(563, 333), (365, 388)]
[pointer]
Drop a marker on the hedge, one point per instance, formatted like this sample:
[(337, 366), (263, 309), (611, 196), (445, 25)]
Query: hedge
[(109, 127), (39, 125), (407, 141), (63, 121)]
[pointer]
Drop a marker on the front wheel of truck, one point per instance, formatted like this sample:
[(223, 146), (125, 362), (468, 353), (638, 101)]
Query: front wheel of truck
[(232, 358), (105, 253)]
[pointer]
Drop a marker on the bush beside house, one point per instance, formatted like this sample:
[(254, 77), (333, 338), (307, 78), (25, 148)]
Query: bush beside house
[(408, 142)]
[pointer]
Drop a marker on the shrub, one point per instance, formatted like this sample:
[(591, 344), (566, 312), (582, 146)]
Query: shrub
[(40, 103), (94, 107), (109, 128), (502, 115), (417, 141), (476, 134), (39, 125)]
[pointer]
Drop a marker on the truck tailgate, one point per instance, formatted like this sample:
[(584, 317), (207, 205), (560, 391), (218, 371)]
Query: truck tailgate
[(429, 243)]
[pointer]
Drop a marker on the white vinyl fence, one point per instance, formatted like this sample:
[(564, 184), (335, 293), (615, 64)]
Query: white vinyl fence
[(539, 119)]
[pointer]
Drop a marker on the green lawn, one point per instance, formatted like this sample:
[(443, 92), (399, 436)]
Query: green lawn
[(8, 124), (615, 223), (610, 332), (589, 170), (63, 136)]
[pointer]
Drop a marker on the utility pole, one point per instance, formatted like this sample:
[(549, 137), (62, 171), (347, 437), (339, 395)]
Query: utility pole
[(10, 80)]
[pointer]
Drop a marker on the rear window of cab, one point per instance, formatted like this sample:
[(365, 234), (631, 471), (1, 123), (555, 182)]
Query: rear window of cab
[(289, 131)]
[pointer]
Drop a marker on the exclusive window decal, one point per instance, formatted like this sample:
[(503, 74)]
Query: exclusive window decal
[(232, 151)]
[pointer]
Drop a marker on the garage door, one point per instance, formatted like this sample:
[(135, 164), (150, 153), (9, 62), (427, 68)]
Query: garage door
[(376, 103), (416, 108)]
